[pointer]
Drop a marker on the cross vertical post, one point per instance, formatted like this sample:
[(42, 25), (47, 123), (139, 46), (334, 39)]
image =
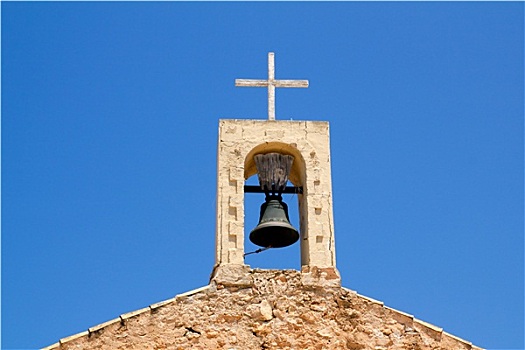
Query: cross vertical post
[(271, 83), (271, 86)]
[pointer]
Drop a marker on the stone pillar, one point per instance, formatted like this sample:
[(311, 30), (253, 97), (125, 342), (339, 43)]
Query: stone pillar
[(309, 143)]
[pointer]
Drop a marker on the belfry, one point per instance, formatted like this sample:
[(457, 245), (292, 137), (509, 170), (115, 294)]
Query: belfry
[(244, 308), (308, 144)]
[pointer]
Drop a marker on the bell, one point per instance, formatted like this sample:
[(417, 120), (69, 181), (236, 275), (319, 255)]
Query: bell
[(274, 229)]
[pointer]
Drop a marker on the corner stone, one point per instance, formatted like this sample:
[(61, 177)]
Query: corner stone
[(327, 277), (230, 275)]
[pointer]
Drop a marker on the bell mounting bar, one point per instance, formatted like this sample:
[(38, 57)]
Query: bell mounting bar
[(287, 189)]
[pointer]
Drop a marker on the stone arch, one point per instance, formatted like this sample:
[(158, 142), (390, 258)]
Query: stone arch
[(298, 172)]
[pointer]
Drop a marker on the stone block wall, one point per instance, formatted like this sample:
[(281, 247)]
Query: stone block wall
[(270, 309), (309, 143)]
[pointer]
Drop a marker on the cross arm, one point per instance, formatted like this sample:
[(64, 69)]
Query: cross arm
[(251, 82), (276, 83), (291, 83)]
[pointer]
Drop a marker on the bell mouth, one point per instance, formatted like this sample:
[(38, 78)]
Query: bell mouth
[(274, 229), (274, 235)]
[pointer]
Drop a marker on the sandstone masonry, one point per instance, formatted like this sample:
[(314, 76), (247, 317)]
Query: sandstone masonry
[(267, 309), (309, 143)]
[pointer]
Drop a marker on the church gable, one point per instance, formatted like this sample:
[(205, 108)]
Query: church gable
[(273, 310)]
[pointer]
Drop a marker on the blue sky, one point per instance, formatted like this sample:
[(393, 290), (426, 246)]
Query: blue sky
[(109, 131)]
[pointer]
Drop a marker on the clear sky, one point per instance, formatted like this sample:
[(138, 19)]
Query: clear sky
[(109, 132)]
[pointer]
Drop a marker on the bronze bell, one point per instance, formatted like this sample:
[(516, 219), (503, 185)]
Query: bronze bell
[(274, 229)]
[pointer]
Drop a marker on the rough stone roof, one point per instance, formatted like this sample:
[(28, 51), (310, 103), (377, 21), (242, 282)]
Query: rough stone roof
[(276, 310)]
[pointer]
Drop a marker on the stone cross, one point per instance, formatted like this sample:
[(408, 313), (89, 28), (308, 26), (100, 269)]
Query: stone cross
[(271, 83)]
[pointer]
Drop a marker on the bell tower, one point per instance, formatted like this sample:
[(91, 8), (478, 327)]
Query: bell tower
[(240, 142)]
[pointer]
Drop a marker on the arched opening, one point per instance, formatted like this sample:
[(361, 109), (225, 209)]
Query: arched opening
[(275, 258), (298, 172)]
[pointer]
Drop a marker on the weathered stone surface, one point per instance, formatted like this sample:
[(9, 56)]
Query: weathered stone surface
[(309, 143), (323, 277), (275, 311), (232, 275)]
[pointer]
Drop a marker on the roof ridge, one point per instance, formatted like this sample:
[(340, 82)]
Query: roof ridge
[(405, 318), (125, 316)]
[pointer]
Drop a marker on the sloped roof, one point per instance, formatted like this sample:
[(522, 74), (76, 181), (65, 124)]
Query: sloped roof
[(275, 311)]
